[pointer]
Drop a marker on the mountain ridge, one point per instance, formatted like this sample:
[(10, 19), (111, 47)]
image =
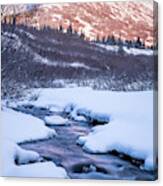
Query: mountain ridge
[(125, 20)]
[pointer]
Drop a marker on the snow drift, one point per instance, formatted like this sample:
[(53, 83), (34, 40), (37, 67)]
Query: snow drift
[(18, 127), (130, 117), (16, 159)]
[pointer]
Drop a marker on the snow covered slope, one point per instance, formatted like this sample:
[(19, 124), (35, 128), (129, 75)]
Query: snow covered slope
[(127, 20)]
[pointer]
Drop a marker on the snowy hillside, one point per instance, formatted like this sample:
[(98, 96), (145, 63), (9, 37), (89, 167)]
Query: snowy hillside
[(127, 20)]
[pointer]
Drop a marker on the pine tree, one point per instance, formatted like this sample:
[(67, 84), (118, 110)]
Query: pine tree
[(138, 43), (82, 35), (14, 20), (103, 40), (108, 39), (113, 40), (60, 28), (69, 29), (98, 39)]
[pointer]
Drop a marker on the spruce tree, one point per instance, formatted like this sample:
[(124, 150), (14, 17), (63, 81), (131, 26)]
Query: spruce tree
[(60, 28), (69, 29)]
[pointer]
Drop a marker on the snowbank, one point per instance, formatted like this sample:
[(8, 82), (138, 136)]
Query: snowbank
[(12, 154), (114, 104), (133, 139), (83, 114), (55, 120), (43, 170), (130, 128), (19, 127)]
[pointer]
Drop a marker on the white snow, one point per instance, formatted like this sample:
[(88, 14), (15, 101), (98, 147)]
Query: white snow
[(55, 120), (112, 48), (42, 169), (55, 108), (79, 65), (112, 103), (130, 129), (19, 127), (12, 153), (134, 139), (46, 61), (83, 114), (134, 51)]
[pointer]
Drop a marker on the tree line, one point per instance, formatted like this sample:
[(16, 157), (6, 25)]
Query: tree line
[(110, 39)]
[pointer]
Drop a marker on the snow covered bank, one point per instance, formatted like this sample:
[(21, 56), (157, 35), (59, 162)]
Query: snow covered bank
[(19, 127), (83, 114), (130, 130), (115, 104), (12, 154), (133, 139)]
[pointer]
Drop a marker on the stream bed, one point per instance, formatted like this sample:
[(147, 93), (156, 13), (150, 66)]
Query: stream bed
[(64, 151)]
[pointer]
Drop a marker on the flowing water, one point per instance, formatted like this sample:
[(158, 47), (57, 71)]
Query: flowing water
[(64, 151)]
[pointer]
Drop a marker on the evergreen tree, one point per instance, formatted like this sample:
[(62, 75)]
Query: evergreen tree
[(120, 46), (14, 20), (5, 21), (98, 39), (60, 28), (108, 39), (82, 35), (138, 43), (69, 29), (103, 40), (112, 40)]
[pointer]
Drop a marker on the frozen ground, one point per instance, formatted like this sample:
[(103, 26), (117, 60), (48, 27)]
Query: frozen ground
[(128, 119)]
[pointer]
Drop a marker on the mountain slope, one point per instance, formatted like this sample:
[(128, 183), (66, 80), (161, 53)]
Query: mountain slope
[(127, 20), (48, 58)]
